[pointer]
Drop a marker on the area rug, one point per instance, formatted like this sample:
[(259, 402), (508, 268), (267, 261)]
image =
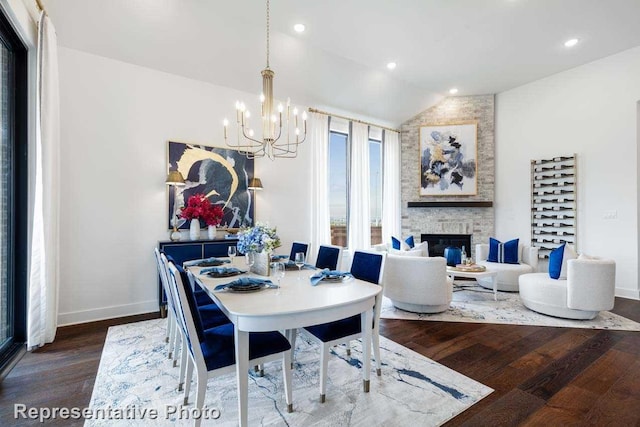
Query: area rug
[(413, 390), (474, 304)]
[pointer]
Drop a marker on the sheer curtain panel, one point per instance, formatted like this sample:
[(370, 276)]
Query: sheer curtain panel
[(319, 140), (43, 274), (391, 186), (359, 211)]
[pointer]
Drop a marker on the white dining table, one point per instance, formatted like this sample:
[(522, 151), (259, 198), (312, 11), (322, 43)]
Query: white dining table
[(295, 304)]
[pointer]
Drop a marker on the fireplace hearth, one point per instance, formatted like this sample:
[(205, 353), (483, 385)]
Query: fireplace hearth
[(438, 242)]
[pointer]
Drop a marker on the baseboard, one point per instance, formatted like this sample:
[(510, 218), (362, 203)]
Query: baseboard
[(103, 313), (628, 293)]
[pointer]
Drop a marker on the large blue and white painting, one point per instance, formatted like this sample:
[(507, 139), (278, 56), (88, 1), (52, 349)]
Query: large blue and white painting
[(220, 174), (448, 165)]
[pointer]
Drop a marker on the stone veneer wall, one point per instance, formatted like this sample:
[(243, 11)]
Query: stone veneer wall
[(476, 221)]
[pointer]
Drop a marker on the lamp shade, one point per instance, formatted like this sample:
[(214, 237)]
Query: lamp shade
[(255, 184), (174, 178)]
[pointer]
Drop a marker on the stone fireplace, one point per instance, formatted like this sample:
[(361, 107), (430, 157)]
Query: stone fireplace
[(471, 216)]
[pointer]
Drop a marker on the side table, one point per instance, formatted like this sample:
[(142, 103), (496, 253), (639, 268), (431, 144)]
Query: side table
[(453, 273)]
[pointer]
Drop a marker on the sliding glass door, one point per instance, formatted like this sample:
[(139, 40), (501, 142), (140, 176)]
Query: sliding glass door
[(13, 191)]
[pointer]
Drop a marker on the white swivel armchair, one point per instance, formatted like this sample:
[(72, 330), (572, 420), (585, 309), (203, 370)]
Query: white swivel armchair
[(508, 274), (417, 284), (588, 289)]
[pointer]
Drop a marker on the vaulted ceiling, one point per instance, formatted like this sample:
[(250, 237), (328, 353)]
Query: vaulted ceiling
[(339, 62)]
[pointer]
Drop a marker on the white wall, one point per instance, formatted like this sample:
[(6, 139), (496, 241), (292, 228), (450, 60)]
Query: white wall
[(592, 111), (116, 119)]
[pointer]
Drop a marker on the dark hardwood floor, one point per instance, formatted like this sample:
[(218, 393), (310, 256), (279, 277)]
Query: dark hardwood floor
[(542, 376)]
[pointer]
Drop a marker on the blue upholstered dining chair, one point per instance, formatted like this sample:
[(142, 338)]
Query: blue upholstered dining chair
[(209, 315), (212, 351), (298, 247), (369, 267), (329, 257)]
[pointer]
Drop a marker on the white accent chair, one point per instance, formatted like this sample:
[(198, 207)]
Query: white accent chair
[(508, 274), (417, 284), (588, 289)]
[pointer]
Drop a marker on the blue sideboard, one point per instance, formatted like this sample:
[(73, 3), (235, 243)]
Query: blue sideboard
[(191, 249)]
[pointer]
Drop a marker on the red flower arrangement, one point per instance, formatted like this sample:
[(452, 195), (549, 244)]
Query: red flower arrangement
[(199, 207)]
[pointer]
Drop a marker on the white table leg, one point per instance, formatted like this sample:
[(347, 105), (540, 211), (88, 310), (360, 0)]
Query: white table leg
[(366, 319), (242, 366)]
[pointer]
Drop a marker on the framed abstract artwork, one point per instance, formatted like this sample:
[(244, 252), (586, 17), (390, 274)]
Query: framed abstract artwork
[(220, 174), (448, 159)]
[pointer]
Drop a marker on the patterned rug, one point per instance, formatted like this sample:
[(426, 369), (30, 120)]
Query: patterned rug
[(474, 304), (135, 373)]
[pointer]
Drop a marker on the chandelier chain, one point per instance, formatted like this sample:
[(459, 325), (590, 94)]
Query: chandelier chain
[(267, 33)]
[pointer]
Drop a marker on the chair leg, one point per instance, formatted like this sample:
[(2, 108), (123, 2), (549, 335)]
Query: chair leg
[(291, 336), (177, 344), (172, 337), (170, 322), (324, 362), (376, 352), (183, 369), (286, 372), (201, 390), (187, 381)]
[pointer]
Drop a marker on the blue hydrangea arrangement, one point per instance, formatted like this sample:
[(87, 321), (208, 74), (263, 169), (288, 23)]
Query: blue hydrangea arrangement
[(259, 238)]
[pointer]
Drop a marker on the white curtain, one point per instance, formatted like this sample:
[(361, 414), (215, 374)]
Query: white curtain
[(43, 274), (319, 140), (391, 209), (359, 180)]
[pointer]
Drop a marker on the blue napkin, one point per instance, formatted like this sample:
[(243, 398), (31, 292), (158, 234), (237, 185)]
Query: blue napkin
[(221, 270), (317, 278), (246, 281), (279, 257), (197, 262)]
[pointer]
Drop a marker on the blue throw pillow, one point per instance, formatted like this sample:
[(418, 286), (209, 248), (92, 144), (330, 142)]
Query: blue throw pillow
[(409, 241), (395, 243), (407, 244), (558, 261), (504, 253)]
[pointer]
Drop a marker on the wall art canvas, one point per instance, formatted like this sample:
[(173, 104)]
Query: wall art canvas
[(220, 174), (448, 160)]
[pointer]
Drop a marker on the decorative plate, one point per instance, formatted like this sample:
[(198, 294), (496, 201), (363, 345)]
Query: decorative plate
[(225, 274)]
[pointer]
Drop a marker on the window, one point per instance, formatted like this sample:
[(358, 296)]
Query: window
[(339, 186), (375, 191), (13, 192)]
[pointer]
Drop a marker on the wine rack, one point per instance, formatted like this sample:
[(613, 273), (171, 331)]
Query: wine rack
[(553, 203)]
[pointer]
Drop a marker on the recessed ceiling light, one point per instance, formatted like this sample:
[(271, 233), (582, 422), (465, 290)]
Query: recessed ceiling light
[(571, 42), (391, 65), (453, 91), (299, 28)]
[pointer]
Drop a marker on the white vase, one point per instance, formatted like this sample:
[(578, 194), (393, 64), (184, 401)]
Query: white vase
[(194, 229), (211, 232)]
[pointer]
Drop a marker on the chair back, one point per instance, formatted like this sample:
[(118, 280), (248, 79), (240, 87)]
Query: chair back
[(298, 247), (163, 271), (328, 257), (368, 266), (187, 312)]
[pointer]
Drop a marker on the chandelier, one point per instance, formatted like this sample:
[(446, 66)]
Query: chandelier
[(275, 141)]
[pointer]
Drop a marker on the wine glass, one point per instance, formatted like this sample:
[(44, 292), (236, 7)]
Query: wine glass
[(277, 271), (232, 252), (299, 260), (250, 259)]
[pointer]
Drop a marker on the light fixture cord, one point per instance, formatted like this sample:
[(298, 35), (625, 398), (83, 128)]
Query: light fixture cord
[(267, 33)]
